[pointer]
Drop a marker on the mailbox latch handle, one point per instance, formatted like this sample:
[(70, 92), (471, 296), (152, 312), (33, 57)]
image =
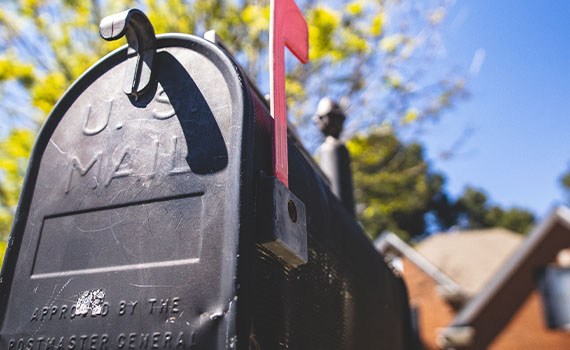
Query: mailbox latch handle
[(142, 47)]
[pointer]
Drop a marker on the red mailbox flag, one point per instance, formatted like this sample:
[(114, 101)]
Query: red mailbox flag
[(287, 27)]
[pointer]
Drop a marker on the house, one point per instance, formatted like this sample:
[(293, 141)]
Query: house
[(479, 289)]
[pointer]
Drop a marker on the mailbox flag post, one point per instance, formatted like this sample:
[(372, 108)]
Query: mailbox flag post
[(287, 27)]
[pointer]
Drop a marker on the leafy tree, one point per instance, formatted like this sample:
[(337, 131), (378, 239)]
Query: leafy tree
[(515, 219), (397, 191), (444, 208), (394, 187), (378, 53), (14, 153), (474, 207)]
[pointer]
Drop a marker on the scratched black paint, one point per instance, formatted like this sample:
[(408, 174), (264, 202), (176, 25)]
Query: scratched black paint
[(153, 200), (137, 198)]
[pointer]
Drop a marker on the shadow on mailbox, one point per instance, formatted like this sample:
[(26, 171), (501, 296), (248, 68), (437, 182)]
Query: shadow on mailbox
[(206, 148)]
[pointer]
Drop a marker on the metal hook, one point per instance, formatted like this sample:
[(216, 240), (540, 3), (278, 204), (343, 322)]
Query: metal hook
[(142, 47)]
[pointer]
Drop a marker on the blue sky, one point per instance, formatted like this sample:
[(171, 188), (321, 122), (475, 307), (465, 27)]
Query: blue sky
[(519, 111)]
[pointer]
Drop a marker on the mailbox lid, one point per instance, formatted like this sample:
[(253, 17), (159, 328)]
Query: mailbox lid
[(126, 234)]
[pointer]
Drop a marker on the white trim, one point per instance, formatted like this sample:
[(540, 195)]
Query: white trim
[(389, 239)]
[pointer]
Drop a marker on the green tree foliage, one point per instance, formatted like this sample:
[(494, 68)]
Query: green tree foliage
[(14, 153), (394, 187), (396, 190), (473, 206)]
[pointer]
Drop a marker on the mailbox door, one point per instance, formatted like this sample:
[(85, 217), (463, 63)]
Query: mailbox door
[(127, 230)]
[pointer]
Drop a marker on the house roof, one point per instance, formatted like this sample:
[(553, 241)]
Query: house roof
[(492, 308), (502, 265), (470, 258), (389, 241)]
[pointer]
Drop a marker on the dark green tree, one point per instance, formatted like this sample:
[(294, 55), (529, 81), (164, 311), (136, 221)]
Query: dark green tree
[(444, 208), (394, 186), (396, 190), (474, 208), (515, 219)]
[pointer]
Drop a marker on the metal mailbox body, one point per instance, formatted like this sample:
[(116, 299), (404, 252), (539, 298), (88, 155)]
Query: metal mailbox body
[(137, 225)]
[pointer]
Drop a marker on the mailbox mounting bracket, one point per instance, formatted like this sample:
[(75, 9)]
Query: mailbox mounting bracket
[(282, 221)]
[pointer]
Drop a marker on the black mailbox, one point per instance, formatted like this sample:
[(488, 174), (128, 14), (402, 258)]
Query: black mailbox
[(144, 213)]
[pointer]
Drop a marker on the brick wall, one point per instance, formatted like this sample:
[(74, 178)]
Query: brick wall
[(434, 313), (526, 331)]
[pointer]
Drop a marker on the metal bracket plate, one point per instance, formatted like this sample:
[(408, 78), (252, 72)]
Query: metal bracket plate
[(282, 219)]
